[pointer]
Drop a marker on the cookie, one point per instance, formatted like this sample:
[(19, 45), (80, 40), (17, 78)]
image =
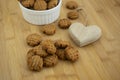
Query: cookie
[(35, 63), (51, 49), (64, 23), (34, 39), (72, 54), (49, 29), (27, 3), (61, 44), (52, 4), (30, 53), (50, 61), (73, 15), (39, 51), (71, 5), (47, 1), (40, 5), (49, 46), (46, 42), (61, 54)]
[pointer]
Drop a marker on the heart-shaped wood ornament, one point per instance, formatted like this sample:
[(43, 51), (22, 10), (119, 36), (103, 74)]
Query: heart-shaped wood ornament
[(83, 35)]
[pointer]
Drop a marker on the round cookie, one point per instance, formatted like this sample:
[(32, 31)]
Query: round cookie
[(35, 63), (71, 54), (73, 15), (27, 3), (39, 51), (61, 54), (52, 4), (49, 29), (30, 53), (61, 44), (49, 46), (33, 39), (64, 23), (50, 61), (71, 5), (40, 5), (46, 43)]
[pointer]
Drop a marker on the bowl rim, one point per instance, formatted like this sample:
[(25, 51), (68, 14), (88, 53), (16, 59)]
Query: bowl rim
[(60, 1)]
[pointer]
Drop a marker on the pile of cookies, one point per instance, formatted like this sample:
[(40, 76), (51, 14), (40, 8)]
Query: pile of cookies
[(46, 52), (39, 4)]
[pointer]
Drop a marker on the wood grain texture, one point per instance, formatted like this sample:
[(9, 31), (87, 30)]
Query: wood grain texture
[(98, 61)]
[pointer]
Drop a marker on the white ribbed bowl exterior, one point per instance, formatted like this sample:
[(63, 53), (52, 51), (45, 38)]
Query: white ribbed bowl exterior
[(41, 17)]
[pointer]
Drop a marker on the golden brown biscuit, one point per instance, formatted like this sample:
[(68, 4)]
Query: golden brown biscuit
[(50, 60), (35, 63), (64, 23), (46, 42), (27, 3), (72, 54), (30, 53), (51, 49), (52, 4), (40, 5), (61, 54), (47, 1), (39, 51), (61, 44), (73, 15), (71, 5), (49, 29), (34, 39), (49, 46)]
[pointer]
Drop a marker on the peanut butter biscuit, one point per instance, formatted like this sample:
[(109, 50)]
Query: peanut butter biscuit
[(71, 5), (49, 46), (39, 51), (35, 63), (40, 5), (27, 3), (49, 29), (72, 54), (50, 60), (61, 54), (64, 23), (52, 4), (73, 15), (34, 39), (61, 44)]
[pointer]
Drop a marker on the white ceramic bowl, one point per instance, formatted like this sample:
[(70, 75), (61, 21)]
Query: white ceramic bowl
[(41, 17)]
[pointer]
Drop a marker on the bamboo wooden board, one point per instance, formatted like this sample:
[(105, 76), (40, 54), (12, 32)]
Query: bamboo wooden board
[(98, 61)]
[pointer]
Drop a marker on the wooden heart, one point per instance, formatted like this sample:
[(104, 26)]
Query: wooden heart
[(82, 35)]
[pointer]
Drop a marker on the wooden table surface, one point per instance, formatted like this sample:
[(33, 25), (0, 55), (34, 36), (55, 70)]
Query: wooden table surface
[(98, 61)]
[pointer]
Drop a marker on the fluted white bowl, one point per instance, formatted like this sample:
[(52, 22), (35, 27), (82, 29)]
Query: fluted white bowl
[(41, 17)]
